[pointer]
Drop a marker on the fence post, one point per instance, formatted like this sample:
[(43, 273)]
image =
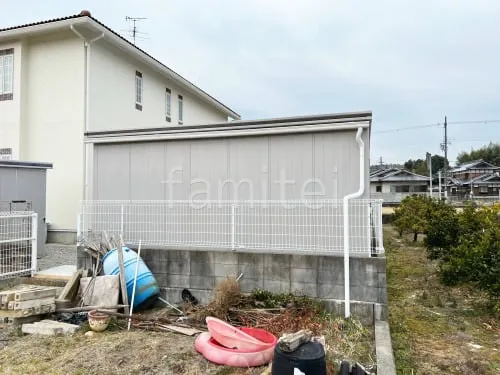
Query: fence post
[(34, 242), (233, 210), (380, 228), (121, 223)]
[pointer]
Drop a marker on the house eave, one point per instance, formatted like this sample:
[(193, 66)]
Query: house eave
[(16, 33)]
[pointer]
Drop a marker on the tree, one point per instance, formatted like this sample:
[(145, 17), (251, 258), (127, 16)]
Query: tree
[(490, 154), (418, 166), (411, 215), (437, 162), (442, 230)]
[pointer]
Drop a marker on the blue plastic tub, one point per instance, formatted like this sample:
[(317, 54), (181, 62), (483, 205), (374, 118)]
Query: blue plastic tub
[(146, 285)]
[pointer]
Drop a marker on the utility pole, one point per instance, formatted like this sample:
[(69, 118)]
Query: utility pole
[(439, 176), (429, 166), (444, 147), (381, 162)]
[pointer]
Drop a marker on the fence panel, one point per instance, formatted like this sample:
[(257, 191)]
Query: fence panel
[(312, 227), (18, 243)]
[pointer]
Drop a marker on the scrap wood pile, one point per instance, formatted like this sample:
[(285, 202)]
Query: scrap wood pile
[(231, 305)]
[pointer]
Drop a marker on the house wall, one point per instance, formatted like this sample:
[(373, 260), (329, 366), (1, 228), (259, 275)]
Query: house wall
[(10, 110), (53, 115), (112, 95)]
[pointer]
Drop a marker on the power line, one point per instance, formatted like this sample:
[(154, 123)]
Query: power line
[(437, 124)]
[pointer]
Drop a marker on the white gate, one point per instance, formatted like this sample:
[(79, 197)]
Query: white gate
[(18, 243)]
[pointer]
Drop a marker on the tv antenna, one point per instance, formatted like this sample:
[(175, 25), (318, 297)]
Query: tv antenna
[(133, 32)]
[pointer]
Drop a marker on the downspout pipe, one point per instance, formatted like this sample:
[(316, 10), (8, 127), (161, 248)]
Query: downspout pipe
[(86, 43), (347, 198)]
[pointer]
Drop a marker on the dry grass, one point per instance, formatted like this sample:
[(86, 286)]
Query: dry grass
[(436, 329)]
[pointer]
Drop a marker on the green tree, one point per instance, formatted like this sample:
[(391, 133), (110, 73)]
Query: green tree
[(490, 153), (442, 230), (437, 162), (411, 215)]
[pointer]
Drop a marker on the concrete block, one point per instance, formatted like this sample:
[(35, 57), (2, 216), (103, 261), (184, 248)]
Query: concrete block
[(251, 271), (334, 276), (201, 269), (364, 294), (201, 256), (247, 285), (174, 295), (179, 255), (307, 289), (202, 282), (303, 275), (382, 295), (251, 258), (46, 330), (383, 349), (66, 327), (365, 279), (277, 267), (381, 312), (178, 267), (382, 279), (277, 286), (331, 263), (304, 261), (224, 257), (178, 281), (330, 291), (225, 270), (361, 311)]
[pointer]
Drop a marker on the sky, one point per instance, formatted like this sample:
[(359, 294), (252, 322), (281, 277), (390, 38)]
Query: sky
[(409, 62)]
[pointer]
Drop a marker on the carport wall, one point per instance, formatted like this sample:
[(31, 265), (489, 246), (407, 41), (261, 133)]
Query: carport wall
[(131, 165)]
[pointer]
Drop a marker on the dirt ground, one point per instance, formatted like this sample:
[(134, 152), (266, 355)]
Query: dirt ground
[(436, 329)]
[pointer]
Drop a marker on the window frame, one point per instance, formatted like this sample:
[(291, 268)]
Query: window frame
[(180, 108), (168, 105), (139, 90), (378, 188), (6, 55)]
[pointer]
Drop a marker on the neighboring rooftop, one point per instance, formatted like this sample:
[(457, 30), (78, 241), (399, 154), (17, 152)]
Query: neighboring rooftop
[(474, 164), (396, 175), (90, 24)]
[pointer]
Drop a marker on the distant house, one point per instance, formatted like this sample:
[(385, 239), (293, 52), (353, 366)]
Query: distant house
[(394, 184), (474, 179)]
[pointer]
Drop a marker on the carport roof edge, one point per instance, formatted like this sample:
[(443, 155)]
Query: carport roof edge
[(340, 120), (24, 164)]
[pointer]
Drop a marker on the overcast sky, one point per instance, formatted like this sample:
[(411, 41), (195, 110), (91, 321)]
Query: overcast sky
[(410, 62)]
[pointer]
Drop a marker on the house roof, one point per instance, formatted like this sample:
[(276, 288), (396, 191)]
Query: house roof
[(396, 175), (475, 164), (85, 17), (486, 178)]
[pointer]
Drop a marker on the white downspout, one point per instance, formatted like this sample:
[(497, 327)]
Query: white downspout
[(347, 198), (86, 44)]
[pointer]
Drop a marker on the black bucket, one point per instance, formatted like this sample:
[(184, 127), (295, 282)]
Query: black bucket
[(308, 358)]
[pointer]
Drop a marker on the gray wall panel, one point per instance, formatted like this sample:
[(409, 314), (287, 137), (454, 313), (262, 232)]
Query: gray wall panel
[(177, 174), (146, 171), (112, 172)]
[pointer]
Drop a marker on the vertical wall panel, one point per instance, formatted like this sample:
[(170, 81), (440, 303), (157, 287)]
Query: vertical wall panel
[(177, 173), (147, 171), (112, 172)]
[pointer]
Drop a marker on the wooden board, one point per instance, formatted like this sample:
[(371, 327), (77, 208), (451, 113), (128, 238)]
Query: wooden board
[(42, 292), (71, 288), (123, 283), (27, 312), (15, 305)]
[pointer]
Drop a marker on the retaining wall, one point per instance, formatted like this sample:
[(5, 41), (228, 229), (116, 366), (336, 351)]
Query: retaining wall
[(315, 276)]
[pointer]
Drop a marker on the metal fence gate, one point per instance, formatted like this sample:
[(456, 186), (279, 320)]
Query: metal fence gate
[(18, 243)]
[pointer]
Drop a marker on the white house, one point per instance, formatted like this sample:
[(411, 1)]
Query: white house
[(62, 78), (394, 184)]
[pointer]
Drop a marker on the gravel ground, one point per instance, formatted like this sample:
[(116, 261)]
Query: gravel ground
[(57, 255)]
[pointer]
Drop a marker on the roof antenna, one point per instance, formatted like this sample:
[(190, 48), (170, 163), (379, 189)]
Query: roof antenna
[(134, 33)]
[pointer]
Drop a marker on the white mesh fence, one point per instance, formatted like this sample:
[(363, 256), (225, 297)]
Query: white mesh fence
[(18, 231), (314, 227)]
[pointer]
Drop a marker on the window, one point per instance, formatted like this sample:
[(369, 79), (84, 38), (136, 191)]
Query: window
[(378, 188), (168, 105), (400, 188), (483, 189), (138, 91), (6, 74), (5, 153), (181, 114)]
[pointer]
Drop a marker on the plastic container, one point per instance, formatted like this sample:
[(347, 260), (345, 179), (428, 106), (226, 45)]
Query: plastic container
[(308, 358), (146, 285)]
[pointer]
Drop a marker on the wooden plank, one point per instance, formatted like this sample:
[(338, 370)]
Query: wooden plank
[(183, 330), (43, 292), (41, 281), (14, 305), (27, 312), (123, 283), (290, 342), (71, 288)]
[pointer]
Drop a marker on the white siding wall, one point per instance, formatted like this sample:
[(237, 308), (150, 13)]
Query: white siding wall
[(112, 95), (10, 110), (52, 129)]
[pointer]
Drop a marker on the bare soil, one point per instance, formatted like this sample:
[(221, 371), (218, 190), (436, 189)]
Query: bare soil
[(436, 329)]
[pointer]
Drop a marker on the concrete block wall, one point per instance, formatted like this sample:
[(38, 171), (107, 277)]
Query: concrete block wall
[(315, 276)]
